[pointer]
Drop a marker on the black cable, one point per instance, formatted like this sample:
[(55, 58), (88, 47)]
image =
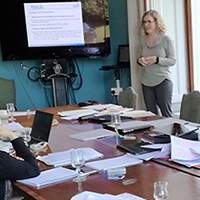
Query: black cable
[(37, 73), (80, 76), (71, 93)]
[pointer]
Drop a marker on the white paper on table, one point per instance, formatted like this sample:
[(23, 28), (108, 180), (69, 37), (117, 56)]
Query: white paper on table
[(86, 195), (93, 134), (163, 153), (189, 163), (127, 196), (149, 156), (76, 112), (101, 107), (138, 113), (64, 157), (181, 149), (112, 163), (133, 124), (167, 121), (14, 126), (23, 113)]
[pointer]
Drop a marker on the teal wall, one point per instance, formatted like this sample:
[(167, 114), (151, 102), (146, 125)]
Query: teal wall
[(96, 83)]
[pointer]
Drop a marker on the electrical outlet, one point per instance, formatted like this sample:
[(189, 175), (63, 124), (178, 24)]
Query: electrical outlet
[(115, 91)]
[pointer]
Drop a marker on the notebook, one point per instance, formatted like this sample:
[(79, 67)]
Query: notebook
[(41, 127)]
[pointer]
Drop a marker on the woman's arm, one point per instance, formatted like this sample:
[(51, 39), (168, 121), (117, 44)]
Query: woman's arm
[(170, 58), (12, 168)]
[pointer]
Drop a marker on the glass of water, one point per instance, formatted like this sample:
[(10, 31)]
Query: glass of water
[(77, 161), (160, 190), (10, 109), (116, 121)]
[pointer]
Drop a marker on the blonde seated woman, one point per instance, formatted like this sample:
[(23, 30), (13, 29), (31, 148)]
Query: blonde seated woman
[(13, 168)]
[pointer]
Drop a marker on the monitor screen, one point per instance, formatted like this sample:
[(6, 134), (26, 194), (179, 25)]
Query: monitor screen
[(52, 29)]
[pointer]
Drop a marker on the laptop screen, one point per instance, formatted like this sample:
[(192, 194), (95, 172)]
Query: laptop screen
[(41, 126)]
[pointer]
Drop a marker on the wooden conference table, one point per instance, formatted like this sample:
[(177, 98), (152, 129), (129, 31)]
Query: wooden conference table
[(181, 184)]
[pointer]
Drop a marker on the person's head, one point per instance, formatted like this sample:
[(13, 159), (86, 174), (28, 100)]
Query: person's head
[(152, 21)]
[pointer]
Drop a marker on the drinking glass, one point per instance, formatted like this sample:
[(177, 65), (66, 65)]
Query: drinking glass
[(116, 121), (10, 109), (25, 133), (77, 161), (160, 190)]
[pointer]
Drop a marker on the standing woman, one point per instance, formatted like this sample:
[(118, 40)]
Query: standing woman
[(157, 54)]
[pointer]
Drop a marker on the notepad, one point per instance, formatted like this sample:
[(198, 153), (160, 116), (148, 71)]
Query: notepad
[(49, 177), (92, 135), (111, 163), (64, 158)]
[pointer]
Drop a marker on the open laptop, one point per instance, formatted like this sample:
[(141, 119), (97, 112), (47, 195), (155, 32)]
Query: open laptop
[(41, 127)]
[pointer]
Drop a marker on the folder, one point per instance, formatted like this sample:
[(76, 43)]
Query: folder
[(49, 177)]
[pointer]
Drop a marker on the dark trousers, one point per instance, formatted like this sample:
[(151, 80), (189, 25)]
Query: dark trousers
[(159, 95)]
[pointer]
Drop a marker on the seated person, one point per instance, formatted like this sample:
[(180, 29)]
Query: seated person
[(13, 168)]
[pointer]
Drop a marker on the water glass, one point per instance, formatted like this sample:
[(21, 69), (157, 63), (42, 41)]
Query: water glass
[(10, 109), (77, 161), (160, 190), (115, 119)]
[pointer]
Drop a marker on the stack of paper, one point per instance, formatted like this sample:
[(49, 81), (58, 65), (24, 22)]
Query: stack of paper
[(64, 157), (94, 134), (86, 195), (101, 107), (14, 126), (111, 163), (138, 113), (50, 177), (185, 152), (75, 114)]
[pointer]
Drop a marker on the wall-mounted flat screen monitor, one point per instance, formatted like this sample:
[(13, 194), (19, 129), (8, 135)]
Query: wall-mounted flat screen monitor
[(32, 29)]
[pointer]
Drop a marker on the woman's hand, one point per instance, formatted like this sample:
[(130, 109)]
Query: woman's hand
[(147, 61), (6, 133), (142, 61)]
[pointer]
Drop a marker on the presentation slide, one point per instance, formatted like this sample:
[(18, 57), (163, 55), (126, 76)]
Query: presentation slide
[(54, 24)]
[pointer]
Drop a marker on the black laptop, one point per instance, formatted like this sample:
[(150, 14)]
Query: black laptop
[(137, 148), (106, 118), (41, 127)]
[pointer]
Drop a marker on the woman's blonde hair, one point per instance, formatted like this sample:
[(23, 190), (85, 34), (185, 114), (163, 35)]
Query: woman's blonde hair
[(158, 20)]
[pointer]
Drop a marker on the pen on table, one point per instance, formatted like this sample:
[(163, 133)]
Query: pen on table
[(92, 172)]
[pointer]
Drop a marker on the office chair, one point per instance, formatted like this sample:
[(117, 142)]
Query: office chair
[(127, 98), (190, 107), (7, 92)]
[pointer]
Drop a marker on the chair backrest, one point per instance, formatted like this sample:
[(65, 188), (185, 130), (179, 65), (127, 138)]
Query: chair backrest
[(127, 98), (7, 92), (190, 107)]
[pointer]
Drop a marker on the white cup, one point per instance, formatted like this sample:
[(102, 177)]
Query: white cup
[(3, 114)]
